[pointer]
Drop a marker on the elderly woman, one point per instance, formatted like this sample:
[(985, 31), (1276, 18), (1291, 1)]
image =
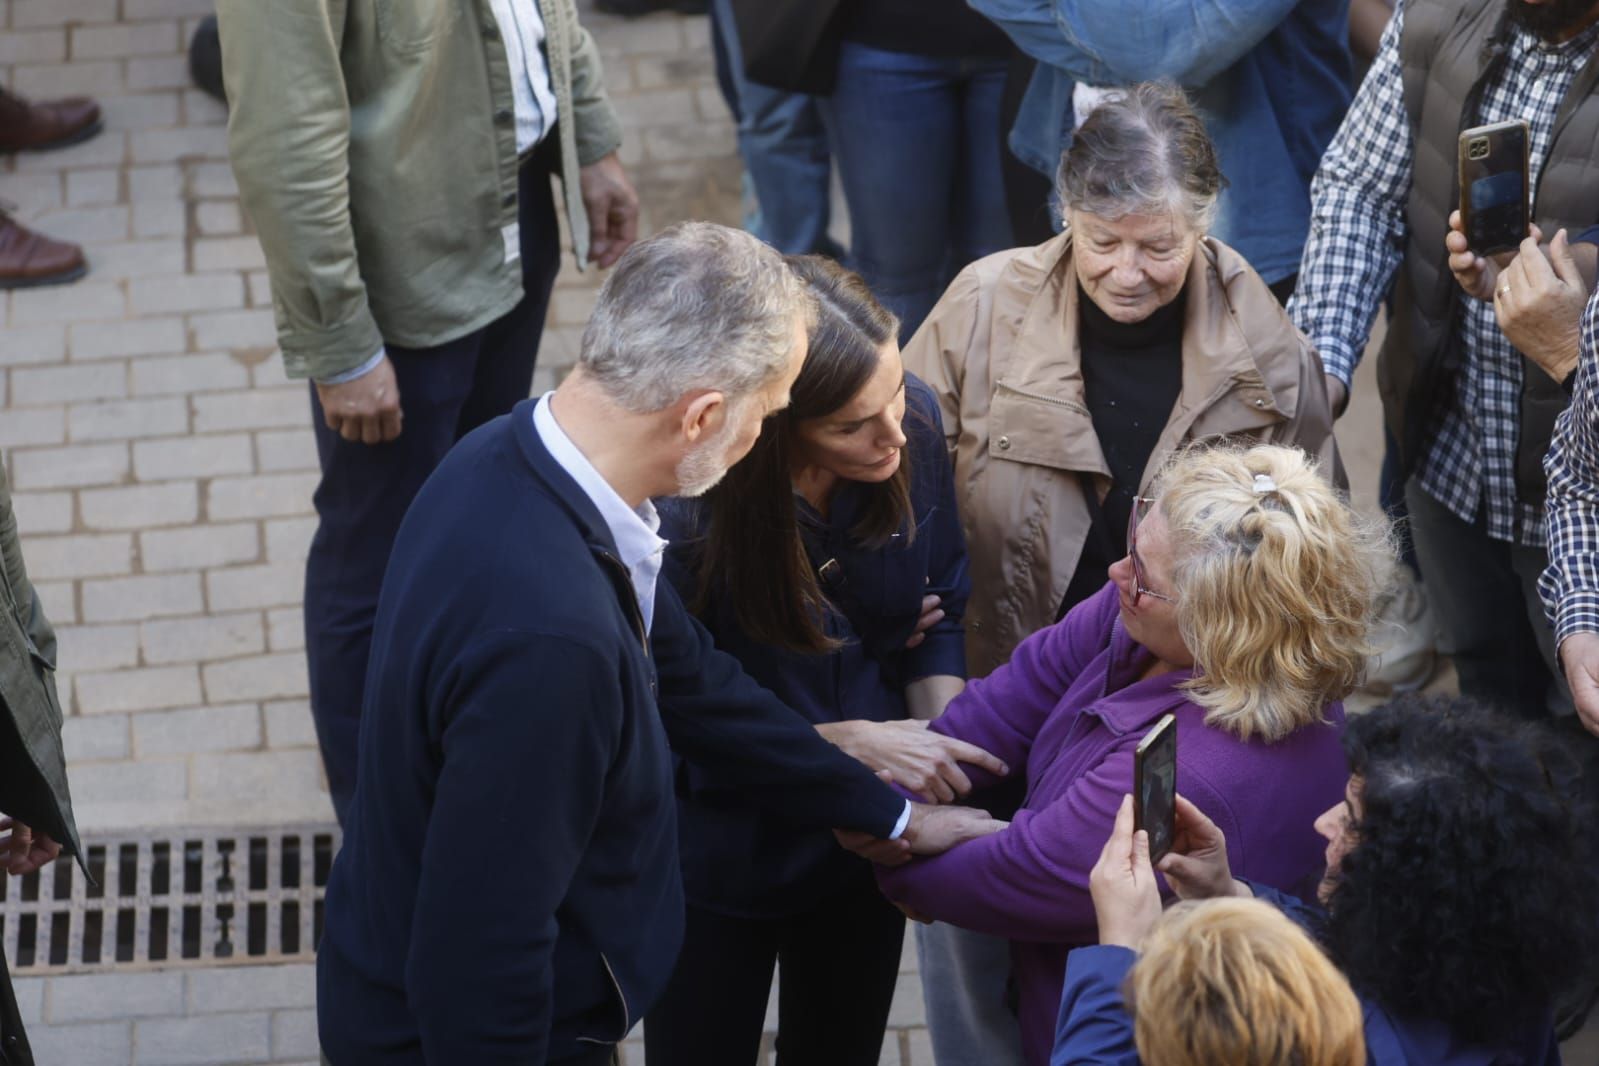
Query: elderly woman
[(1458, 895), (1242, 609), (1068, 372)]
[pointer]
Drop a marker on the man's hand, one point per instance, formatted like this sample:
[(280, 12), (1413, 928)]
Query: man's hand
[(914, 757), (24, 850), (612, 207), (1196, 867), (932, 614), (1539, 302), (1126, 898), (1476, 275), (934, 830), (931, 831), (366, 410), (1579, 654)]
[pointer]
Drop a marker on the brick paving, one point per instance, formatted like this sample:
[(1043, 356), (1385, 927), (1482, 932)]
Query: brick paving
[(163, 467)]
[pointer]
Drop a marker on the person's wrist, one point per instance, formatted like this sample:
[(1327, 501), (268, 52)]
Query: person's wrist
[(1566, 370)]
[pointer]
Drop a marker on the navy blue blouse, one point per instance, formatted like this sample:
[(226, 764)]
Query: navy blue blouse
[(735, 859)]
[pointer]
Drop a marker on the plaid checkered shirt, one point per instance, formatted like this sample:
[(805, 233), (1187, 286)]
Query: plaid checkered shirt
[(1357, 234), (1570, 586)]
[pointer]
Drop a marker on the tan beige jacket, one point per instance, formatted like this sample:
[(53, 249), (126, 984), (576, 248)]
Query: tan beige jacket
[(1001, 352)]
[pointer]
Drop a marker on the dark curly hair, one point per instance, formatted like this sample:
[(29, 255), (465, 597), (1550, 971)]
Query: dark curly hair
[(1469, 896)]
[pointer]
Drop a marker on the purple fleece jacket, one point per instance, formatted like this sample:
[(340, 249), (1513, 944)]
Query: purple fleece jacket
[(1070, 708)]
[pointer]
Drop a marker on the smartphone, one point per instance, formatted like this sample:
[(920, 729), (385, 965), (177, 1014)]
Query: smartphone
[(1155, 786), (1493, 186)]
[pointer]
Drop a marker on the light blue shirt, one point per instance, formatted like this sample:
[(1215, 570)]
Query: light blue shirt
[(638, 544)]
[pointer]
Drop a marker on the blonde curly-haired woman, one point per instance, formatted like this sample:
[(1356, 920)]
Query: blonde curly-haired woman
[(1242, 607)]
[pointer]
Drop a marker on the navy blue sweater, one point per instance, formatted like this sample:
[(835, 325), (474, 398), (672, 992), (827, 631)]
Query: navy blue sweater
[(508, 890), (738, 859)]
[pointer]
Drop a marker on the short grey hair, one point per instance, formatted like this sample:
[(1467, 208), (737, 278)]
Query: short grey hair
[(1142, 151), (697, 306)]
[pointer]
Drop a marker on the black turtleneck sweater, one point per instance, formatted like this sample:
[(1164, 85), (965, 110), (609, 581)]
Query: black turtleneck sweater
[(1132, 373)]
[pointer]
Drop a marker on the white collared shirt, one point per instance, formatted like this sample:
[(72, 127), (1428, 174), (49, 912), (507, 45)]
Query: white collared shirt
[(638, 543), (522, 30)]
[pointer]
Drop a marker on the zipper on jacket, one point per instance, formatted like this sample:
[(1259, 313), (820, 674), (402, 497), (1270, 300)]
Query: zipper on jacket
[(629, 598), (627, 1014), (1070, 405)]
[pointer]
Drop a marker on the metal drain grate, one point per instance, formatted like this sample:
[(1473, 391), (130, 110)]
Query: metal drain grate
[(179, 897)]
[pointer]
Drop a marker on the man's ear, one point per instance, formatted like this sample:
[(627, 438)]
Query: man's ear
[(703, 414)]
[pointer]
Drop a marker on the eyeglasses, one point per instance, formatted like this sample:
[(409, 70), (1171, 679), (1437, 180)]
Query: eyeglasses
[(1142, 505)]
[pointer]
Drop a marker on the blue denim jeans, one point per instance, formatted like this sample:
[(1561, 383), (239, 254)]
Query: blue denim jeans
[(916, 139), (784, 148)]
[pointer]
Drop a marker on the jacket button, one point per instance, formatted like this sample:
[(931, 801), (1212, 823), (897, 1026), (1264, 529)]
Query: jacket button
[(504, 116), (1004, 444), (976, 625), (1259, 402), (491, 32), (508, 200)]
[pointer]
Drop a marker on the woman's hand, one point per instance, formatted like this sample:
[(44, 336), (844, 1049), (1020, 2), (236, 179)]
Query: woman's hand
[(1196, 867), (916, 758), (1126, 898), (932, 614)]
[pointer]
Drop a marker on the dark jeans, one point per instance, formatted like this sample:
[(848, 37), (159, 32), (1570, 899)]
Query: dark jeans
[(445, 392), (1484, 594), (839, 964), (916, 140), (784, 148), (1029, 195)]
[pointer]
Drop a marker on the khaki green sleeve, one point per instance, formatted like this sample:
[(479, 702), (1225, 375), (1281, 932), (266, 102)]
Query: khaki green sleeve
[(30, 611), (599, 131), (289, 136)]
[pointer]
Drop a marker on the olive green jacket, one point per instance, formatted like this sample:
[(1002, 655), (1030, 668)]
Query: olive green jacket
[(375, 151), (33, 771)]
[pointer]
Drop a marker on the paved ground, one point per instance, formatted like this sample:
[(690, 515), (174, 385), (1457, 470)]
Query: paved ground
[(163, 469)]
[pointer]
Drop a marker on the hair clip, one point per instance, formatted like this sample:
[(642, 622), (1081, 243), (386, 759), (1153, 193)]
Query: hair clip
[(1264, 484)]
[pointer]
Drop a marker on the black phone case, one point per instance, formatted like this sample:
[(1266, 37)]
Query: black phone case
[(1493, 187), (1157, 847)]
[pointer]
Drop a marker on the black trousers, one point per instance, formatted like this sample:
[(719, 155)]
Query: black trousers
[(446, 392), (14, 1050), (1027, 192), (1484, 593), (839, 964)]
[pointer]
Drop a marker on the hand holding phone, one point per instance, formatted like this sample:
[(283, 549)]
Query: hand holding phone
[(1155, 786)]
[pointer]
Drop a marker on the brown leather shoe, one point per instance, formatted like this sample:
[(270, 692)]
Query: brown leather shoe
[(25, 124), (28, 258)]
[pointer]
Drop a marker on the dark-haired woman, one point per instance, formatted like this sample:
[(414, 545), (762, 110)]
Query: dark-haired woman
[(826, 552), (1458, 899)]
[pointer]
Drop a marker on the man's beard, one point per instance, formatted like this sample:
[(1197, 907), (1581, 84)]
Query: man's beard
[(706, 463), (1552, 21)]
